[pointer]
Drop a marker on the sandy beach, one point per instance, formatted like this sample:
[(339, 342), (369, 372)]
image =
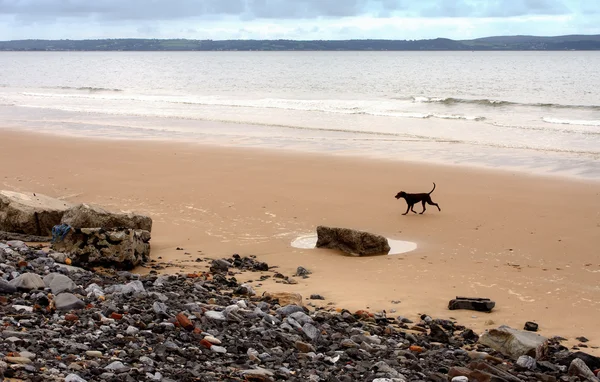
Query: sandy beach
[(530, 243)]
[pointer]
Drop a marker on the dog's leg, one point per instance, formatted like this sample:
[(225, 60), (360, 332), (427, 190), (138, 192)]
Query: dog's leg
[(433, 204), (412, 208), (407, 209), (423, 203)]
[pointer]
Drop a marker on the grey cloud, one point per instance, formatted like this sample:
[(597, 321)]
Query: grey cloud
[(283, 9)]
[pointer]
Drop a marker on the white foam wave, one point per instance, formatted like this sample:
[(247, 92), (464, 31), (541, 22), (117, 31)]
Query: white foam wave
[(576, 122)]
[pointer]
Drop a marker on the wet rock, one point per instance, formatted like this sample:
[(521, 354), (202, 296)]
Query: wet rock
[(350, 241)]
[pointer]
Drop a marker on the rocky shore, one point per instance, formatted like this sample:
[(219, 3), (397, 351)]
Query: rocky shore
[(64, 323)]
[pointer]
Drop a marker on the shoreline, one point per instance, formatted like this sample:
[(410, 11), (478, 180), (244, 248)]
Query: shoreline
[(222, 200), (366, 156)]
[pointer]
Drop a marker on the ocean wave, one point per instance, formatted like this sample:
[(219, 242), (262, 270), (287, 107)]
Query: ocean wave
[(373, 108), (575, 122), (562, 128), (84, 88), (498, 103)]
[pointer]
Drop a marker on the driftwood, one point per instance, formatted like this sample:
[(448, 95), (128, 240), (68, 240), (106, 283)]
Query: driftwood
[(23, 237)]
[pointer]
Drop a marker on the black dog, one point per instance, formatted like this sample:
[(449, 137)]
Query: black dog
[(412, 199)]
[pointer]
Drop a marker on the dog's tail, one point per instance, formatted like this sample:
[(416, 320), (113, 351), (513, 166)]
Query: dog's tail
[(432, 189)]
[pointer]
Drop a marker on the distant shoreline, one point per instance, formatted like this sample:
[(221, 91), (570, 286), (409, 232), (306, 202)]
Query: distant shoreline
[(496, 43)]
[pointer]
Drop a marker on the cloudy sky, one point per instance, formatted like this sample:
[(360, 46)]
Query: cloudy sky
[(294, 19)]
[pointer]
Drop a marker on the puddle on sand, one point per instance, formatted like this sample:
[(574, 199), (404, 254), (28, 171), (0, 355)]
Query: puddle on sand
[(396, 246)]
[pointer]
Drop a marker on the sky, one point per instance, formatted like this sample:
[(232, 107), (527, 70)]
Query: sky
[(294, 19)]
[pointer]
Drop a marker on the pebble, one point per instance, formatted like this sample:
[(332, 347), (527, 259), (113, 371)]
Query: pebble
[(167, 328)]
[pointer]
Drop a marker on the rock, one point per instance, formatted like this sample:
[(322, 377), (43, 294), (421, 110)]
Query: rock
[(90, 216), (28, 281), (285, 298), (117, 367), (29, 213), (68, 301), (515, 343), (74, 378), (18, 360), (214, 315), (184, 321), (245, 289), (220, 265), (123, 248), (531, 326), (23, 237), (353, 242), (6, 287), (526, 362), (302, 272), (59, 283), (304, 347), (470, 303), (591, 361), (316, 297), (580, 369), (460, 379), (437, 334)]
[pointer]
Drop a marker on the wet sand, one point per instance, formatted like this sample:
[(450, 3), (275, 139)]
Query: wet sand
[(530, 243)]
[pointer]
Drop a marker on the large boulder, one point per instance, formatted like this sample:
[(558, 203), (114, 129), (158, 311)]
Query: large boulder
[(514, 343), (123, 248), (30, 213), (353, 242), (90, 216)]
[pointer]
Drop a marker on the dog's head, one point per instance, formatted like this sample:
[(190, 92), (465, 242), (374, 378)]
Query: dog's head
[(401, 194)]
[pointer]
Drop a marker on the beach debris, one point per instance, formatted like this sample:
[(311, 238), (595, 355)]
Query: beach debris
[(515, 343), (30, 214), (471, 303), (531, 326), (352, 242)]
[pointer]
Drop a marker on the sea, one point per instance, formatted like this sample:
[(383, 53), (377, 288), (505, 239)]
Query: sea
[(533, 112)]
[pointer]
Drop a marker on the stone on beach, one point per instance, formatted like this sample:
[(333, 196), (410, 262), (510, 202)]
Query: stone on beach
[(124, 248), (30, 213), (92, 216), (350, 241), (515, 343)]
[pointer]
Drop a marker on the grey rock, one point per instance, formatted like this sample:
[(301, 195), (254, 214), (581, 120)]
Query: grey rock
[(117, 367), (74, 378), (350, 241), (580, 369), (91, 216), (289, 309), (515, 343), (59, 283), (28, 281), (214, 315), (29, 213), (6, 287), (122, 247), (311, 331), (68, 301), (526, 362)]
